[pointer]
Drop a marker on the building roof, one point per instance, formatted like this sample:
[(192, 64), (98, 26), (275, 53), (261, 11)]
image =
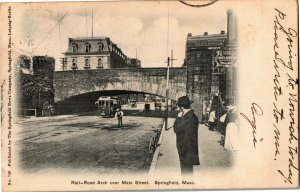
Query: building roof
[(207, 37), (94, 43), (204, 41), (89, 38)]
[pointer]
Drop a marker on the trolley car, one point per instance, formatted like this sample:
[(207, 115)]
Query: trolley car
[(107, 106)]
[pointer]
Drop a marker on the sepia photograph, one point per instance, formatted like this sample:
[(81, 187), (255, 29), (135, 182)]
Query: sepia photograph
[(149, 95)]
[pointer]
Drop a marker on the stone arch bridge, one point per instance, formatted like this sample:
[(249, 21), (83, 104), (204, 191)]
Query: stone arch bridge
[(69, 84)]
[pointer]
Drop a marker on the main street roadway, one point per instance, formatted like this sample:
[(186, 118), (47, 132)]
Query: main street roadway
[(88, 142)]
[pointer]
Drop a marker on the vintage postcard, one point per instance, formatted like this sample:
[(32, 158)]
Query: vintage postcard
[(149, 95)]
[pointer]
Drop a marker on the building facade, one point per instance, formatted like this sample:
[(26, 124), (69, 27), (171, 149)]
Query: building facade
[(94, 53), (210, 60)]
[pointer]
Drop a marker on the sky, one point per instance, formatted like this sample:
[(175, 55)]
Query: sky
[(149, 29)]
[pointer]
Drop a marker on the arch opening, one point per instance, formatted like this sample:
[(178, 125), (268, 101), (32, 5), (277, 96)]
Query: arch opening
[(85, 103)]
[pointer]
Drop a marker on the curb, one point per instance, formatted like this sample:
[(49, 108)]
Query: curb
[(156, 153)]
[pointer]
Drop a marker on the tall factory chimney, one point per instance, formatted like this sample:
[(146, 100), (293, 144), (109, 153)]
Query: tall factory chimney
[(231, 26), (231, 45)]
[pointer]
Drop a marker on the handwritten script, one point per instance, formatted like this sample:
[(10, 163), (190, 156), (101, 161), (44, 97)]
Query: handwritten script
[(255, 110), (285, 96)]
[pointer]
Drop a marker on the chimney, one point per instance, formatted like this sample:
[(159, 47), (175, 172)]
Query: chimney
[(205, 33), (222, 32), (189, 35), (231, 26)]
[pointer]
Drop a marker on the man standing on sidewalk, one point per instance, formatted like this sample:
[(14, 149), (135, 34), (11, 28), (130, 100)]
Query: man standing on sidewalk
[(186, 129), (119, 115)]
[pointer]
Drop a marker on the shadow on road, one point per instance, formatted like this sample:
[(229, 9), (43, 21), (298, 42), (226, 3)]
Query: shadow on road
[(136, 112)]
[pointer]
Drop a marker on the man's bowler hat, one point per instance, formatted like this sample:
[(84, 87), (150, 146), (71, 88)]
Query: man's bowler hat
[(184, 100)]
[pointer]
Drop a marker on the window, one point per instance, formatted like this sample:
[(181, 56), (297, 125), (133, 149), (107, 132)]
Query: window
[(100, 63), (86, 64), (74, 48), (87, 47), (196, 78), (74, 64), (101, 47)]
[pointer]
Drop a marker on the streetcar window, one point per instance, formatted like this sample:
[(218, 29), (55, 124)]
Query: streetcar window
[(102, 103)]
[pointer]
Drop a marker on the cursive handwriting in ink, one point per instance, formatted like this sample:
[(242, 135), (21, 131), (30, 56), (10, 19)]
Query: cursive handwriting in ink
[(292, 82), (292, 152), (277, 87), (290, 33), (277, 114), (277, 133), (255, 110), (285, 96), (292, 100)]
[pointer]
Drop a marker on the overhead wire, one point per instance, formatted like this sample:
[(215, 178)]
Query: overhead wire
[(168, 33), (57, 23)]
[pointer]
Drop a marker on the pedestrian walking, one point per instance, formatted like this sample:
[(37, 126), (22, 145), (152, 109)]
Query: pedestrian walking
[(119, 115), (186, 129), (212, 119), (50, 109)]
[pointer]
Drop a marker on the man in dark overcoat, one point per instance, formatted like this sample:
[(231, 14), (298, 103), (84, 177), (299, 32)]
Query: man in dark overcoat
[(186, 129)]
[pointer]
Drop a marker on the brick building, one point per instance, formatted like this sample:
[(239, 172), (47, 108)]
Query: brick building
[(94, 53), (210, 60)]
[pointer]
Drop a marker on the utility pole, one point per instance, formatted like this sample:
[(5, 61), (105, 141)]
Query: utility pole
[(136, 53), (86, 25), (167, 89), (172, 59), (64, 63), (92, 23), (167, 95)]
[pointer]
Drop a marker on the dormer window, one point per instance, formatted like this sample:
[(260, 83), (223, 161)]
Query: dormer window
[(74, 48), (87, 47), (101, 47)]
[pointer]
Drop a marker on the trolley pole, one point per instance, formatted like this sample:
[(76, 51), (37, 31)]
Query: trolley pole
[(167, 95)]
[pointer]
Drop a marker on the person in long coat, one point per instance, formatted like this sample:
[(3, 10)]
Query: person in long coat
[(232, 135), (186, 129)]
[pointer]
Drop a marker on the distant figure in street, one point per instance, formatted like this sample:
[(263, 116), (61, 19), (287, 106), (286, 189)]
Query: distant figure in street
[(50, 109), (119, 115), (212, 119), (186, 129)]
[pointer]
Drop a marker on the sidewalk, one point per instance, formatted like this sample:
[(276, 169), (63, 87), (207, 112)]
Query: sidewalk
[(211, 153), (165, 159)]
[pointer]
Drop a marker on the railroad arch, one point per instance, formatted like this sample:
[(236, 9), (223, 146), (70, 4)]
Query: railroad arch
[(69, 84)]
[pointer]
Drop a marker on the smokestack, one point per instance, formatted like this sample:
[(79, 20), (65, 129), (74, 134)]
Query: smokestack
[(231, 26)]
